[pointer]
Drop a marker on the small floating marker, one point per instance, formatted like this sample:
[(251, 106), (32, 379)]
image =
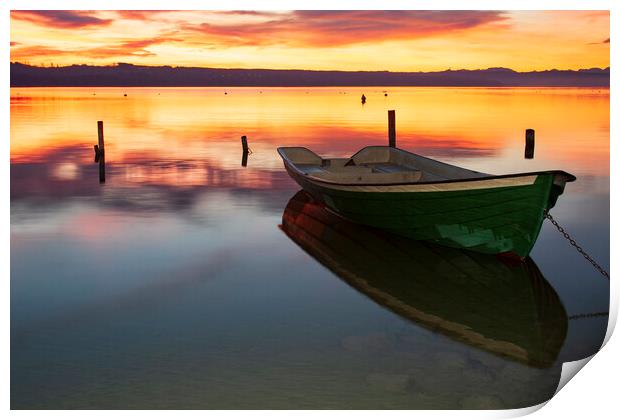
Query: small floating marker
[(363, 99), (392, 128), (124, 94), (529, 143), (225, 93), (385, 94)]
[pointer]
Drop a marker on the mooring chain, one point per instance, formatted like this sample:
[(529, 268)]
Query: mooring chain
[(590, 315), (577, 247)]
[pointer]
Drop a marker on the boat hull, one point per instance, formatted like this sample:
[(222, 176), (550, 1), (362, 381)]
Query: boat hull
[(493, 216), (503, 307)]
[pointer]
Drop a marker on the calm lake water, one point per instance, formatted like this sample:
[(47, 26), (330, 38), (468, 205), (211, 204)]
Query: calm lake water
[(173, 286)]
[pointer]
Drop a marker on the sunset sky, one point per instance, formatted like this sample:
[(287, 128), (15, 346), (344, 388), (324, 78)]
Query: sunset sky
[(317, 40)]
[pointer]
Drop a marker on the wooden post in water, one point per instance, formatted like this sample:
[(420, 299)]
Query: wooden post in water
[(100, 152), (529, 143), (392, 128), (100, 134), (246, 151)]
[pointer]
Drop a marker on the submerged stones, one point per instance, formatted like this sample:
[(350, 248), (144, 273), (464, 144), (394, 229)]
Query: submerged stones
[(389, 381), (450, 360), (435, 373), (482, 402), (366, 343)]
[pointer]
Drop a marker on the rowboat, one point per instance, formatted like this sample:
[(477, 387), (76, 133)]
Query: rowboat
[(501, 306), (424, 199)]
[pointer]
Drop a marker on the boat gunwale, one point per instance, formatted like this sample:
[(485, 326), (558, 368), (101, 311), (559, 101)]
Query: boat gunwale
[(569, 177)]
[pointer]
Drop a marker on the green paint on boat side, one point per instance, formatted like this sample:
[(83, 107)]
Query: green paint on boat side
[(489, 220)]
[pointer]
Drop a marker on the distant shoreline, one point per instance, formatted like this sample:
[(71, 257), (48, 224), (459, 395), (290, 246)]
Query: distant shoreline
[(128, 75)]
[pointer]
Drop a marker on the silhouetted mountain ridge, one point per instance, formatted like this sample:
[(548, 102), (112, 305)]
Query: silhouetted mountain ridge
[(124, 74)]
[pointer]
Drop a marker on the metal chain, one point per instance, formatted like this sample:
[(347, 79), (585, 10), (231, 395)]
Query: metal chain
[(590, 315), (577, 247)]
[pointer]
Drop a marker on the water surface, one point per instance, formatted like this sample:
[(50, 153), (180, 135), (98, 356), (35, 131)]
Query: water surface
[(172, 286)]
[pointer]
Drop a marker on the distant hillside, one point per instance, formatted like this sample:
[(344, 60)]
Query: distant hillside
[(131, 75)]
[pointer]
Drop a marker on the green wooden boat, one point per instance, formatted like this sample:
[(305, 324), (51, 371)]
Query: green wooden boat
[(502, 306), (425, 199)]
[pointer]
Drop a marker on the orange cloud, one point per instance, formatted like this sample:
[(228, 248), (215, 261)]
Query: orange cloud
[(25, 52), (136, 47), (129, 48)]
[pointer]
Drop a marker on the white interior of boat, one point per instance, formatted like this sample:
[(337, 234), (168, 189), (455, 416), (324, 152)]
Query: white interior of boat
[(374, 165)]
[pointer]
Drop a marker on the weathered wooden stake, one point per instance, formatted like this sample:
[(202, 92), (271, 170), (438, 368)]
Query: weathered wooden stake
[(392, 128), (244, 159), (100, 152), (244, 144), (529, 143), (102, 169), (100, 134)]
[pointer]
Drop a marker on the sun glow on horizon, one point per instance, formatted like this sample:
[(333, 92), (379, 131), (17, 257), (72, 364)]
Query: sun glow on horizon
[(315, 40)]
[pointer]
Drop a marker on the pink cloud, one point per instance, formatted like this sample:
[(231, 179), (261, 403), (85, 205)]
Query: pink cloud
[(329, 28), (65, 19)]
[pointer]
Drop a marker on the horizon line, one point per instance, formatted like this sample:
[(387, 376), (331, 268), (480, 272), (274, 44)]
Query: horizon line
[(120, 64)]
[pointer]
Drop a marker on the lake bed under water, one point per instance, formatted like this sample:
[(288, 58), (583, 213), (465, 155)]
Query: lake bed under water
[(172, 285)]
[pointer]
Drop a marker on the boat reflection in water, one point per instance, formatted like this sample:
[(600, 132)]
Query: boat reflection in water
[(503, 307)]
